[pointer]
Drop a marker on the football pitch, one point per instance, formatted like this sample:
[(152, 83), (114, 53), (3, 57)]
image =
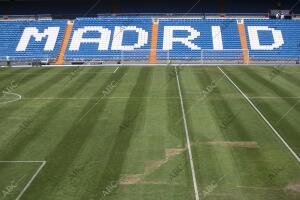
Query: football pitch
[(150, 133)]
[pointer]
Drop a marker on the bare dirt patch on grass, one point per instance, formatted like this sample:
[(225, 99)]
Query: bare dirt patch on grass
[(293, 187), (149, 167), (131, 179), (241, 144)]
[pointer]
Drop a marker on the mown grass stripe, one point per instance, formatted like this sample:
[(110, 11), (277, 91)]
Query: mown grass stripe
[(272, 87), (7, 78), (66, 151), (121, 141), (291, 79), (34, 91), (197, 196), (237, 132), (263, 117), (172, 90), (48, 112), (288, 130)]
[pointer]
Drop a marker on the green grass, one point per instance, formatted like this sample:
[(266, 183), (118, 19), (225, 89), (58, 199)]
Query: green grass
[(121, 135)]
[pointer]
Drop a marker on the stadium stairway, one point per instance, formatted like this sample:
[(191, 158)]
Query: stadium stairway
[(154, 40), (65, 42), (241, 28)]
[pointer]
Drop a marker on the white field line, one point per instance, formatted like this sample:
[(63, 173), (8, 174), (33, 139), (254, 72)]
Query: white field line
[(188, 64), (187, 139), (283, 116), (85, 114), (49, 73), (116, 69), (258, 188), (262, 116), (270, 97), (32, 178), (89, 98), (127, 97), (19, 97), (21, 161)]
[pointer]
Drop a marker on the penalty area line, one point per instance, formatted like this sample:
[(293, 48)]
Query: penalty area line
[(262, 116), (43, 163), (187, 139)]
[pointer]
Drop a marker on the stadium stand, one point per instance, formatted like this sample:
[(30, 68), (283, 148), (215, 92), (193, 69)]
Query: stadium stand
[(31, 39), (213, 39), (285, 32), (110, 38), (151, 40)]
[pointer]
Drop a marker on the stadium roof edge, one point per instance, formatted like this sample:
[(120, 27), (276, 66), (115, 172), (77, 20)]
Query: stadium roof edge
[(198, 15)]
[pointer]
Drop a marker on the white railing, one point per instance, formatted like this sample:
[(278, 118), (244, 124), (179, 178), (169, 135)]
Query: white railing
[(162, 56), (158, 56)]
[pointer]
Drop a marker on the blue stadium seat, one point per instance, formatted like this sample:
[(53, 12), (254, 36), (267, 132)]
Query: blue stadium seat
[(203, 39), (290, 31), (228, 33), (89, 51), (129, 39), (11, 33)]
